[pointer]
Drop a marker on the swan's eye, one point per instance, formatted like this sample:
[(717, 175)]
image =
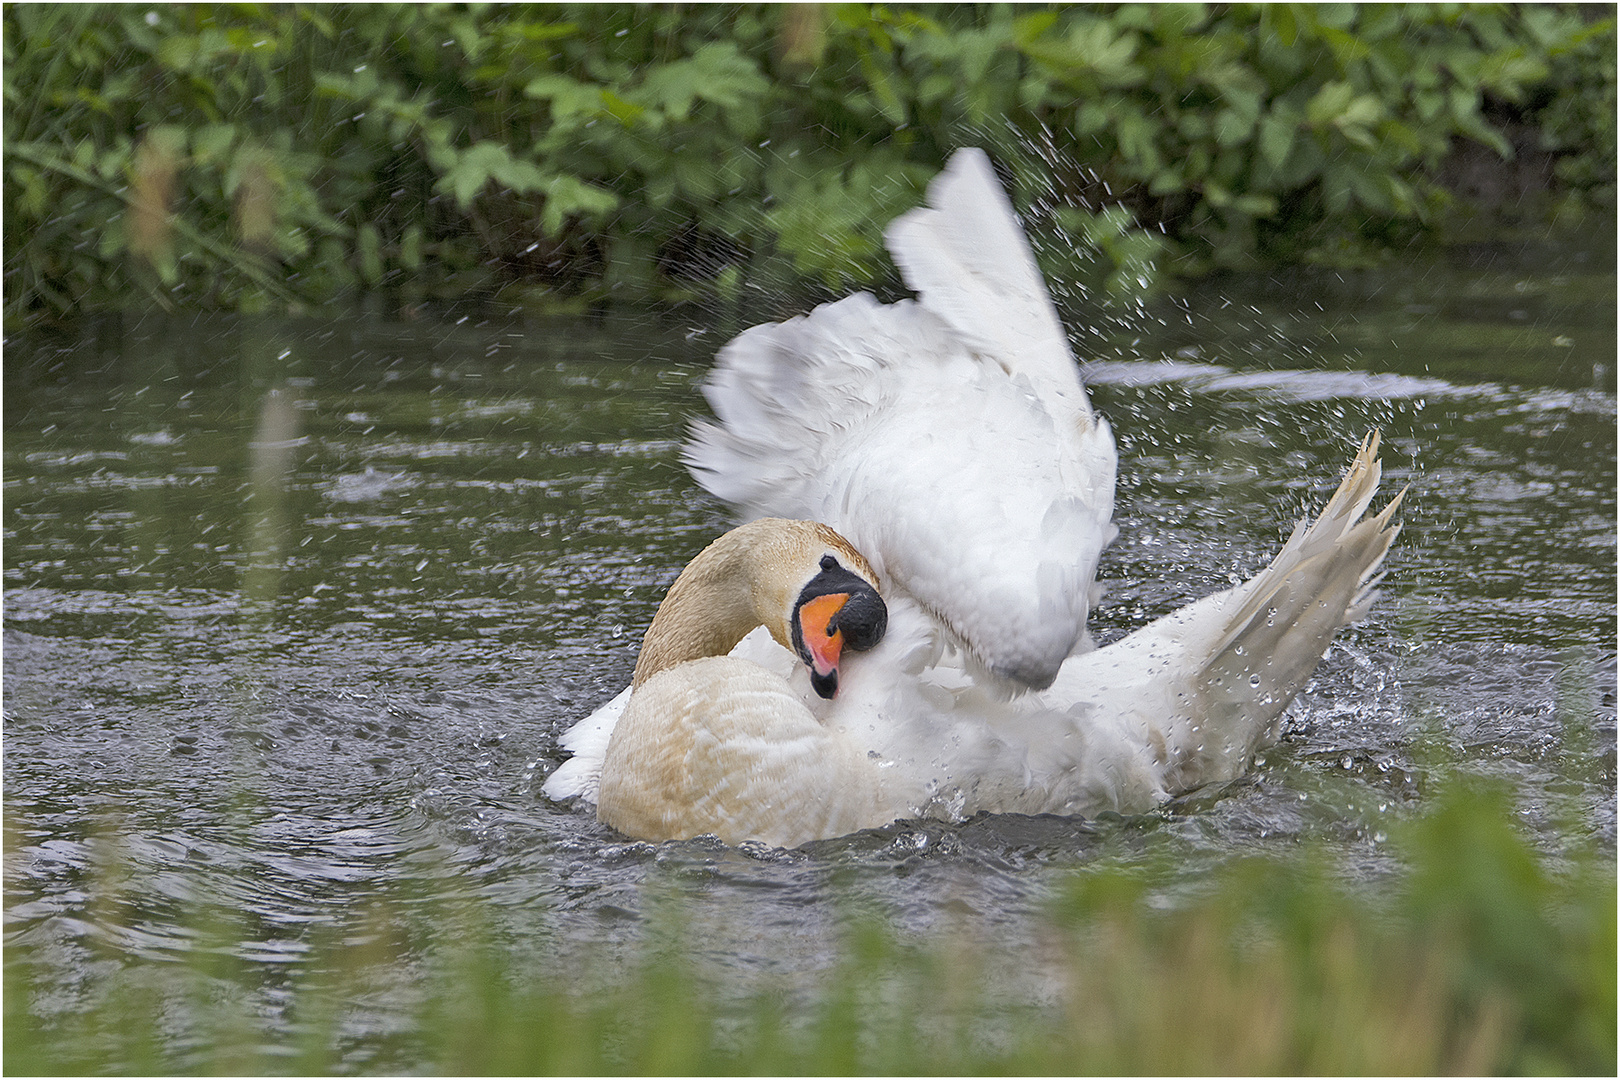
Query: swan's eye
[(829, 563)]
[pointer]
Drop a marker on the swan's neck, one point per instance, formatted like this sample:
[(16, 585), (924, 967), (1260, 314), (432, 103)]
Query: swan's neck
[(735, 584)]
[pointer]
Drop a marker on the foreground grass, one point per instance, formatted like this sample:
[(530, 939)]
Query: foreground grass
[(1479, 960)]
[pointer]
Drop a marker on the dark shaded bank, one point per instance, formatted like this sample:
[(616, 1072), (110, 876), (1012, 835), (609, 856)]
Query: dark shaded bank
[(278, 158)]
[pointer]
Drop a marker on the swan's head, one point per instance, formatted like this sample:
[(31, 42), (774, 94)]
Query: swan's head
[(836, 609), (807, 585)]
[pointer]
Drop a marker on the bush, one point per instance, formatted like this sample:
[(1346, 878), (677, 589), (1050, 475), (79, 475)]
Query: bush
[(252, 157)]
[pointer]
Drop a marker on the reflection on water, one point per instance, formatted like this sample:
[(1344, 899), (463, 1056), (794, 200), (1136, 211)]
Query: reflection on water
[(295, 612)]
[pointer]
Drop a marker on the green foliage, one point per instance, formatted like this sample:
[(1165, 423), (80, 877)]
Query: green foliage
[(1480, 958), (1293, 131), (244, 156), (1578, 120), (1510, 935)]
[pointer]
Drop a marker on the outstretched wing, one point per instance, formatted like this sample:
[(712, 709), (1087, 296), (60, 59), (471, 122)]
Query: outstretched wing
[(948, 439)]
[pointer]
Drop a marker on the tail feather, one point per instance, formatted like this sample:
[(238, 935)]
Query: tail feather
[(1282, 621), (1318, 555)]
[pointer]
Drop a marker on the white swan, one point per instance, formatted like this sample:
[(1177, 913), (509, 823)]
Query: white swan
[(948, 439), (756, 744)]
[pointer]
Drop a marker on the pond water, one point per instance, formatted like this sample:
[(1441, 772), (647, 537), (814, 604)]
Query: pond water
[(296, 610)]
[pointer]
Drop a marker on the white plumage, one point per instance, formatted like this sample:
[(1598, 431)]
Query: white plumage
[(948, 439), (950, 442)]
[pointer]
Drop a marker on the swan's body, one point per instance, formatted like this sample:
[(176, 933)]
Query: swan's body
[(711, 743), (742, 747), (948, 439), (950, 442), (724, 746)]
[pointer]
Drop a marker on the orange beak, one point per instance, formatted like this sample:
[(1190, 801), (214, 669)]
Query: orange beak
[(823, 648)]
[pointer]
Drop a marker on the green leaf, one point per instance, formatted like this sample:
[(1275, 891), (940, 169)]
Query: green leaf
[(179, 52), (1136, 141), (1282, 23), (716, 73), (212, 142), (1371, 192), (1347, 48), (1276, 140), (485, 161), (113, 239), (1193, 125), (569, 98), (1359, 136), (36, 193), (1030, 28), (369, 248), (1364, 111), (1328, 103), (1110, 55), (936, 87), (1092, 51), (536, 32), (625, 112), (1336, 187), (727, 77), (567, 196), (1231, 128), (1174, 20), (1090, 118), (1256, 205), (333, 262), (1166, 182), (171, 138), (1244, 101), (1327, 16), (410, 247)]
